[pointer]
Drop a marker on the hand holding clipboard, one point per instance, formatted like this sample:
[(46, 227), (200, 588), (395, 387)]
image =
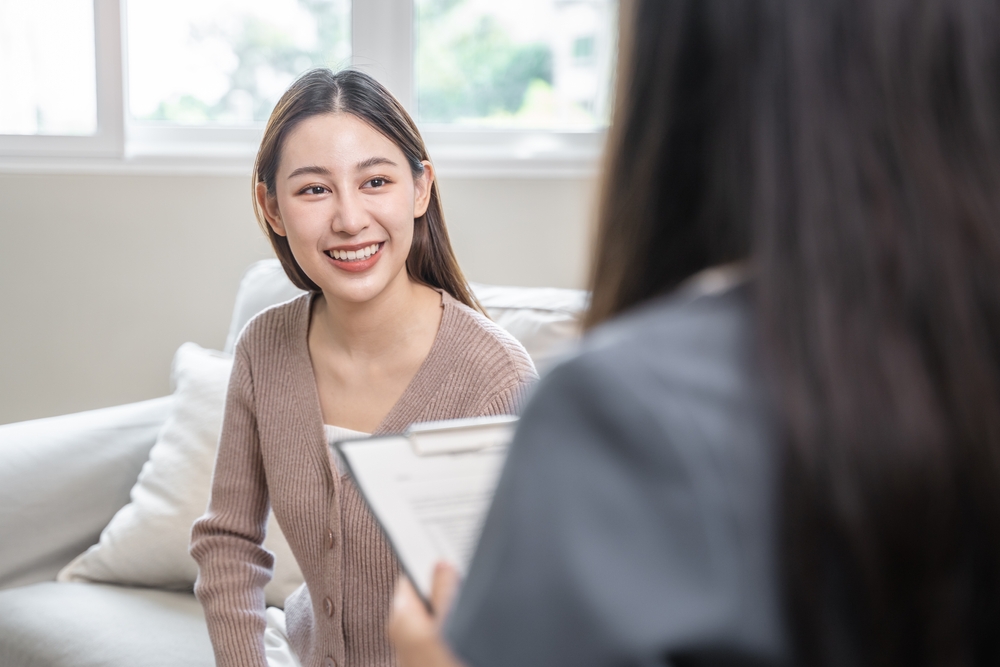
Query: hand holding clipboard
[(430, 488)]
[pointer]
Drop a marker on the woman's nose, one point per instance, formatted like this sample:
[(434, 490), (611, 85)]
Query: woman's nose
[(349, 217)]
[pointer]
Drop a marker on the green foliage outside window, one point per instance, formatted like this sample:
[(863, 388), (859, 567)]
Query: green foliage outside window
[(476, 72)]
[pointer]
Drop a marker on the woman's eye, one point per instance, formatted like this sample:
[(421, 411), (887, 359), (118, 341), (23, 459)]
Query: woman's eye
[(377, 182), (314, 190)]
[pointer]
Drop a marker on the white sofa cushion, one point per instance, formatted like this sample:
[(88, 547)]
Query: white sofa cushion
[(88, 625), (546, 320), (146, 543), (63, 478)]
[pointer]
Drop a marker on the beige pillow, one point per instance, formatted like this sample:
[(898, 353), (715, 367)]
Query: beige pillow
[(146, 543)]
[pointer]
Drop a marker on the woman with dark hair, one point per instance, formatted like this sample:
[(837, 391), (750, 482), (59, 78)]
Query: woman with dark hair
[(780, 442), (388, 334)]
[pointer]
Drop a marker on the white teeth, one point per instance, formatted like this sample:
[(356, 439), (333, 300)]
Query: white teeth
[(355, 255)]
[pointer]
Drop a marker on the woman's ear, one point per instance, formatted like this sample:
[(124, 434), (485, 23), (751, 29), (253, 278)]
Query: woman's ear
[(269, 206), (422, 187)]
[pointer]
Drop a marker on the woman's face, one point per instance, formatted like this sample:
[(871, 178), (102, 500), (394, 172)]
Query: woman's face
[(346, 199)]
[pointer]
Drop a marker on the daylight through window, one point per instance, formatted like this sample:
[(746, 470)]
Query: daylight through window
[(48, 82), (226, 62), (516, 63), (498, 87)]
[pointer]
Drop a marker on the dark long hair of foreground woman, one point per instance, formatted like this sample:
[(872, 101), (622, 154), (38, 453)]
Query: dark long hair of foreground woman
[(850, 151)]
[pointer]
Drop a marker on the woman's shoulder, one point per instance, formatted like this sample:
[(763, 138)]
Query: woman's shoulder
[(471, 336), (275, 326), (683, 368), (675, 332)]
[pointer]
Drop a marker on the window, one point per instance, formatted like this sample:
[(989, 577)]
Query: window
[(48, 70), (516, 87), (60, 77), (230, 59), (514, 64)]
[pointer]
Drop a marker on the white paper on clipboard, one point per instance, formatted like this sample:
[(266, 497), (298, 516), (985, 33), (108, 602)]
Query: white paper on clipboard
[(431, 487)]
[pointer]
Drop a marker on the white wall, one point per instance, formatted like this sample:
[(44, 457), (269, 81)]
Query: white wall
[(102, 277)]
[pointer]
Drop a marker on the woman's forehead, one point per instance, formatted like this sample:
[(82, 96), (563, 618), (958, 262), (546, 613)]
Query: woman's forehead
[(337, 142)]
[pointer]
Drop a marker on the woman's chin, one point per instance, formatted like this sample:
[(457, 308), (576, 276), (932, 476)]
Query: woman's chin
[(361, 288)]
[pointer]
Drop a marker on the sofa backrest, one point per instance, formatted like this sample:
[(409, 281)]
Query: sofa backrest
[(546, 320)]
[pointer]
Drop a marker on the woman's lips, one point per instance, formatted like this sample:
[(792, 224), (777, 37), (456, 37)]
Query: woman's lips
[(342, 259)]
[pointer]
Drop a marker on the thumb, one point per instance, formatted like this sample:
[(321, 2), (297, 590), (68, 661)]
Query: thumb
[(444, 587), (408, 619)]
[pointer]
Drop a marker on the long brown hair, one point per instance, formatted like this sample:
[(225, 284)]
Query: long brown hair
[(849, 151), (321, 91)]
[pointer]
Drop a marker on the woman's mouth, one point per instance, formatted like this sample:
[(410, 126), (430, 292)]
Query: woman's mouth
[(354, 255), (357, 259)]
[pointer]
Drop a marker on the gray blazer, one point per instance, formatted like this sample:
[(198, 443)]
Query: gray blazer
[(635, 520)]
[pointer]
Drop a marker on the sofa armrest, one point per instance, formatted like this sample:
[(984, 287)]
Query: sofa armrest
[(63, 478)]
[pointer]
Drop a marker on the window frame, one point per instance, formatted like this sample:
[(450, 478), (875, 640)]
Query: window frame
[(382, 35), (108, 140)]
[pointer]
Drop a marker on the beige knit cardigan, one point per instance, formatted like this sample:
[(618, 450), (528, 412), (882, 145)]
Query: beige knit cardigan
[(273, 454)]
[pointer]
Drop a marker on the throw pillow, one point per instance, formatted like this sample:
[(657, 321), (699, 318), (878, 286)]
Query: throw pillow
[(146, 543)]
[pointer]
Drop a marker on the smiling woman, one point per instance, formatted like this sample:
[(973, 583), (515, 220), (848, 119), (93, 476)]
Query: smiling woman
[(374, 116), (387, 335), (329, 206)]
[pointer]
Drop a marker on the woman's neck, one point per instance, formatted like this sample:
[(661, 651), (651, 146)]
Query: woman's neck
[(365, 355), (388, 322)]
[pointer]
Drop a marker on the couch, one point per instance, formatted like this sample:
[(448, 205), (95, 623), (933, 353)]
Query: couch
[(62, 480)]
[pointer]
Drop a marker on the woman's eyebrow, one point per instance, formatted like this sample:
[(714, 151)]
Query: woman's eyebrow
[(323, 171), (312, 169), (373, 161)]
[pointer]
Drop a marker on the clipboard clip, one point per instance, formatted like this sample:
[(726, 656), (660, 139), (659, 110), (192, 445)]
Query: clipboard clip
[(460, 435)]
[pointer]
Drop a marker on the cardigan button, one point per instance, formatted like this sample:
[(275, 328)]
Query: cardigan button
[(329, 662), (331, 539), (328, 606)]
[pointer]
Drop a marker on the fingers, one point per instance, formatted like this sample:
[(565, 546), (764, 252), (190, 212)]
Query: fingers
[(414, 632), (409, 620), (443, 590)]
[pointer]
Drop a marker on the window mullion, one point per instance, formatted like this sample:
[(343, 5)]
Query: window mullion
[(110, 48), (382, 45), (108, 140)]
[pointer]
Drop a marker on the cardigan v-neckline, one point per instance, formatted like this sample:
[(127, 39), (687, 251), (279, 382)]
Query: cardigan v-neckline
[(397, 418)]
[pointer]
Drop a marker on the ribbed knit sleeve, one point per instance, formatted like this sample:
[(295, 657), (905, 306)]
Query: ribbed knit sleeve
[(227, 541), (509, 401), (514, 376)]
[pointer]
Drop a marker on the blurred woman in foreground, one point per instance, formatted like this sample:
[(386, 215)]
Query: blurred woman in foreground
[(780, 442)]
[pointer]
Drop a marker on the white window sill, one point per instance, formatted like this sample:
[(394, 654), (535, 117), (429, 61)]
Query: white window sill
[(455, 153)]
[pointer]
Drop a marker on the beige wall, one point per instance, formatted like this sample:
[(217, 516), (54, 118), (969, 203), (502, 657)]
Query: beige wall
[(102, 277)]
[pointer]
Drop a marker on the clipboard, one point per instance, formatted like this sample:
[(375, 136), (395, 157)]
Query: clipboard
[(430, 488)]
